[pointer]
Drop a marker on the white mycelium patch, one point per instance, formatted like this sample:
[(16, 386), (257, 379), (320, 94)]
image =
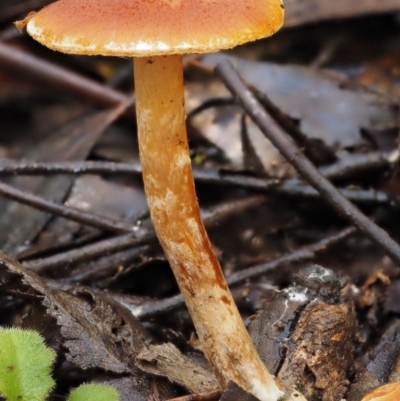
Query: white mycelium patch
[(297, 295), (320, 273), (292, 295)]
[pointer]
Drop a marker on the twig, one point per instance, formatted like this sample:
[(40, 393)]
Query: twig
[(87, 252), (213, 395), (358, 163), (16, 167), (293, 187), (102, 270), (59, 77), (290, 151), (89, 219), (122, 242), (345, 167), (301, 255)]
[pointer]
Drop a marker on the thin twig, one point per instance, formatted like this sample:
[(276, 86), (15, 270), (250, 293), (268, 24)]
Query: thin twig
[(346, 166), (80, 216), (59, 77), (122, 242), (16, 167), (213, 395), (301, 255), (354, 164), (292, 187), (291, 152), (87, 252)]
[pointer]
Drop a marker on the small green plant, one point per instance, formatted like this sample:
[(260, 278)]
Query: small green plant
[(25, 365), (25, 370), (94, 392)]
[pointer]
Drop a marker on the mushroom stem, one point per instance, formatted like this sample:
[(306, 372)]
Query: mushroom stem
[(169, 185)]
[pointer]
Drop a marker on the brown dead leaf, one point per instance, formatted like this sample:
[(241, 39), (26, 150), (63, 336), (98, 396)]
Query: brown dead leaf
[(374, 289), (323, 109), (380, 365), (71, 142), (298, 12), (98, 332), (167, 361), (221, 126)]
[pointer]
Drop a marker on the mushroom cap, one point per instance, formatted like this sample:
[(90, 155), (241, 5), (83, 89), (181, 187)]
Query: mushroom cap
[(134, 28)]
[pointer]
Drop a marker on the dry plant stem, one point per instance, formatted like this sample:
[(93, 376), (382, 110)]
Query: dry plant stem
[(169, 185), (55, 76), (86, 218)]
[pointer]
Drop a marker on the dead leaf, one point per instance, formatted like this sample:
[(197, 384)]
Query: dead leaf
[(166, 360), (72, 142), (323, 109), (298, 12), (95, 334)]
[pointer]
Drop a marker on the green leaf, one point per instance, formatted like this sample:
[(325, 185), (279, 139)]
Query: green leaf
[(25, 365), (94, 392)]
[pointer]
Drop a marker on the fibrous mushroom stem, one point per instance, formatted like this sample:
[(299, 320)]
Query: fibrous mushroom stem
[(169, 185)]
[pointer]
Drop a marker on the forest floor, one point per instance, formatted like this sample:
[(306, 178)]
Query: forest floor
[(80, 260)]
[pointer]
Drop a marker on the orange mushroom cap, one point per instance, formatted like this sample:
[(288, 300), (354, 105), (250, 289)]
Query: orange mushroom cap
[(132, 28)]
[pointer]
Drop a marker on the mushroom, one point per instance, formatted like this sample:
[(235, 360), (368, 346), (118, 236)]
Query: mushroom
[(157, 33)]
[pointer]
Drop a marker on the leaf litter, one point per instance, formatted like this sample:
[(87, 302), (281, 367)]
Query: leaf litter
[(93, 328)]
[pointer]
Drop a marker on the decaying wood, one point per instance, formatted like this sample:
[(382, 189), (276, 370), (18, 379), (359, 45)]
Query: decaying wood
[(297, 335)]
